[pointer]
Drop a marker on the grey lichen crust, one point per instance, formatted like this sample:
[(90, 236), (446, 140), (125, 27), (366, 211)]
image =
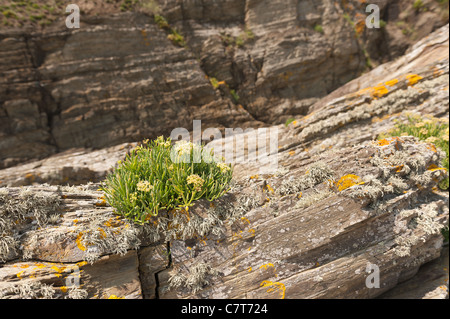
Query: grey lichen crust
[(22, 210), (398, 171), (199, 276), (39, 290), (317, 173), (33, 290)]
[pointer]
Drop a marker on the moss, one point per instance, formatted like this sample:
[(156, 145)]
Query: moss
[(318, 28)]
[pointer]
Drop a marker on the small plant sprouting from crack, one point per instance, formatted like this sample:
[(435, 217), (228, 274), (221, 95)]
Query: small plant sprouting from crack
[(161, 176), (428, 129), (174, 35)]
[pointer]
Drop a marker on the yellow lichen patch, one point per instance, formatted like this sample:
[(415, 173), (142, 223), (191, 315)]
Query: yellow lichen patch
[(250, 269), (270, 188), (434, 167), (58, 269), (254, 177), (245, 219), (291, 153), (39, 265), (413, 78), (348, 181), (399, 168), (20, 274), (383, 142), (63, 289), (78, 241), (274, 286), (391, 82), (379, 91), (81, 263), (103, 234), (267, 265), (432, 148), (115, 297), (101, 203)]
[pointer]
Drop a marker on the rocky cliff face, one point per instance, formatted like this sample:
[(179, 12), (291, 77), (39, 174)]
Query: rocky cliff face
[(241, 63), (339, 203)]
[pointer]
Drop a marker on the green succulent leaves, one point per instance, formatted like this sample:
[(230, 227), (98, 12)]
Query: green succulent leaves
[(158, 175)]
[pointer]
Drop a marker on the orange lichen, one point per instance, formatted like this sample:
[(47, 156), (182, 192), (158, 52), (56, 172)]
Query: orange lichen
[(348, 181), (101, 203), (391, 82), (383, 142), (270, 188), (399, 168), (434, 167), (413, 78), (78, 241), (379, 91), (291, 153), (267, 265), (432, 148), (275, 286), (58, 269)]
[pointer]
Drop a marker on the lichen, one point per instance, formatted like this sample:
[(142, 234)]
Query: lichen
[(399, 170), (199, 276), (316, 174), (345, 113), (28, 290), (40, 208), (306, 201)]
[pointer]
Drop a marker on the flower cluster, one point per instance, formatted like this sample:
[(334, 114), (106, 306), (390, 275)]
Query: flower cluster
[(144, 186), (184, 147), (223, 167), (197, 182), (161, 141)]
